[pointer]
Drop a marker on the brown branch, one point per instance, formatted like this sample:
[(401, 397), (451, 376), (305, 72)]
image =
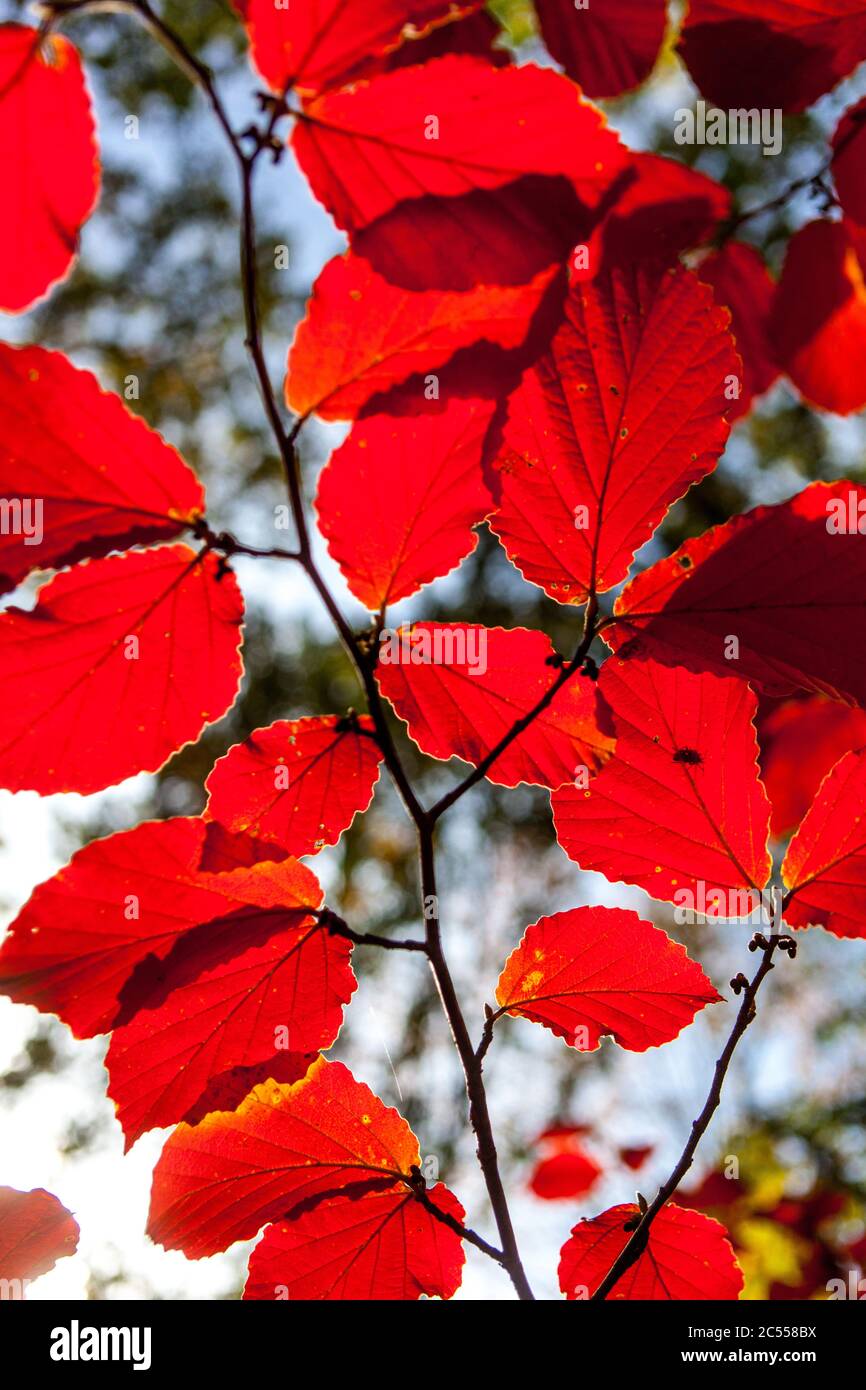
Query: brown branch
[(337, 927)]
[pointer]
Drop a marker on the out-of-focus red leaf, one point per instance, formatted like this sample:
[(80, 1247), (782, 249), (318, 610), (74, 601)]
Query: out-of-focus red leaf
[(323, 43), (299, 783), (688, 1256), (74, 947), (800, 740), (362, 336), (35, 1232), (451, 127), (713, 1192), (599, 970), (612, 426), (849, 162), (49, 166), (122, 662), (101, 479), (461, 687), (634, 1158), (383, 1246), (284, 1147), (666, 209), (772, 53), (680, 806), (398, 501), (223, 998), (818, 323), (795, 624), (742, 283), (565, 1175), (825, 866), (608, 47)]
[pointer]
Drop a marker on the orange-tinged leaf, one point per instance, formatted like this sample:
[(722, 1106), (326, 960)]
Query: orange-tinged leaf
[(601, 970), (74, 947), (97, 476), (825, 866), (688, 1256), (611, 426), (679, 809), (461, 687), (35, 1232), (49, 166), (122, 662), (383, 1246), (285, 1146), (398, 501)]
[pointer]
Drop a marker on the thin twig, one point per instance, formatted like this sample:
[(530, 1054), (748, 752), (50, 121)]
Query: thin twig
[(337, 927)]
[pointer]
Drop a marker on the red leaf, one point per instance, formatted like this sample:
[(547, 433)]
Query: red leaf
[(225, 997), (284, 1147), (635, 1158), (371, 146), (607, 48), (666, 209), (361, 335), (825, 866), (742, 283), (101, 479), (770, 53), (565, 1175), (679, 810), (35, 1232), (461, 687), (49, 165), (476, 34), (383, 1246), (800, 741), (324, 43), (76, 943), (223, 850), (398, 501), (299, 783), (688, 1256), (849, 160), (121, 663), (599, 970), (746, 579), (611, 427), (818, 324)]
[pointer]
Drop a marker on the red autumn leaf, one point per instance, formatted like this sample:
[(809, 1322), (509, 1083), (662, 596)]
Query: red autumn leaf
[(607, 48), (565, 1175), (664, 210), (611, 426), (800, 741), (223, 998), (448, 129), (679, 810), (714, 1192), (849, 160), (398, 501), (476, 33), (825, 866), (772, 53), (362, 336), (601, 970), (383, 1246), (688, 1256), (324, 43), (223, 850), (101, 478), (634, 1158), (285, 1146), (742, 283), (461, 687), (73, 948), (35, 1232), (746, 579), (49, 166), (122, 662), (818, 323), (299, 783)]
